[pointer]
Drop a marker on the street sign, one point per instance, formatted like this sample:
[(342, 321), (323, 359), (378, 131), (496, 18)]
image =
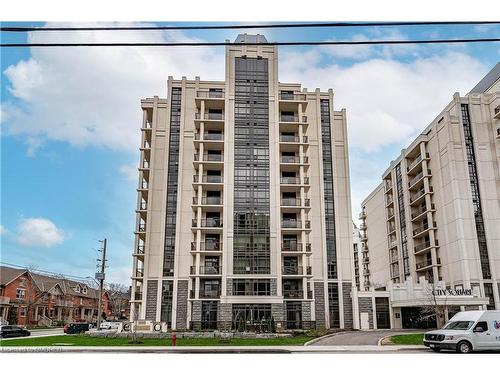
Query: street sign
[(99, 276)]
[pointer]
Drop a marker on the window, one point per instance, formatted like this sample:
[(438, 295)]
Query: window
[(483, 325), (22, 311), (84, 290), (20, 293)]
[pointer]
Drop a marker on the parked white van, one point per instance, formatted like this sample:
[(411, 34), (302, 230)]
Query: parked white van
[(467, 331)]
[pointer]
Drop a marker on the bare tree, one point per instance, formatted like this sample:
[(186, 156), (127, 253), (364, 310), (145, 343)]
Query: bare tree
[(118, 298), (437, 304)]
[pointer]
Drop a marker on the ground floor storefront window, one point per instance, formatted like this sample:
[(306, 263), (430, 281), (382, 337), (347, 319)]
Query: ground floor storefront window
[(252, 317)]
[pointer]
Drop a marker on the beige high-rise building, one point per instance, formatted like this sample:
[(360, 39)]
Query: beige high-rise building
[(435, 218), (244, 210)]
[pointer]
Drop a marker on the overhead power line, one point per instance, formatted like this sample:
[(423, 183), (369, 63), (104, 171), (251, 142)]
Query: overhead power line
[(212, 44), (263, 26)]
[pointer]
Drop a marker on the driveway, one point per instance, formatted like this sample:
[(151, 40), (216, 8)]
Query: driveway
[(359, 337)]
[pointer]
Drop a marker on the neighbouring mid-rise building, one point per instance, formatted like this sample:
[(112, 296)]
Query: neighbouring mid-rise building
[(432, 226), (244, 211)]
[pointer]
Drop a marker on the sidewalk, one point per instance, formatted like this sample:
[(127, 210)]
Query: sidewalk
[(215, 349)]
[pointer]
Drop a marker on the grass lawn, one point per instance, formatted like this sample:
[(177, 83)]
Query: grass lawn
[(84, 340), (411, 339)]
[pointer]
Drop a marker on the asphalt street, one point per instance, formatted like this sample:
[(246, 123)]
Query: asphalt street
[(40, 333), (358, 337)]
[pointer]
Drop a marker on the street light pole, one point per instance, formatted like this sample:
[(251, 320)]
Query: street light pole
[(100, 277)]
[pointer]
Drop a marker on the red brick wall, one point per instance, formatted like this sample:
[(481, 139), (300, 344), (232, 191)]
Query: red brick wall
[(30, 297)]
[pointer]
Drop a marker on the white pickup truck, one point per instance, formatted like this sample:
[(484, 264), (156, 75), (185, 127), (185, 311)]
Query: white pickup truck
[(110, 325), (467, 331)]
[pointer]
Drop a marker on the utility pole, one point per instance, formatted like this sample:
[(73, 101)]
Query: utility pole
[(100, 276)]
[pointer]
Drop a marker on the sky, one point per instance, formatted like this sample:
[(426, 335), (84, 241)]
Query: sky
[(70, 121)]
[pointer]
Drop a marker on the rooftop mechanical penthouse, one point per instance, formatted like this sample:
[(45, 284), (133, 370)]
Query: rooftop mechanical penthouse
[(243, 202)]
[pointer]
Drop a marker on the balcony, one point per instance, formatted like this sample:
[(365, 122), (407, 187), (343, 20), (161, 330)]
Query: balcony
[(207, 201), (147, 126), (388, 186), (139, 273), (416, 161), (207, 223), (293, 294), (389, 200), (284, 96), (209, 95), (366, 260), (419, 231), (393, 244), (416, 197), (362, 226), (209, 294), (139, 250), (209, 137), (208, 246), (295, 202), (137, 296), (362, 215), (144, 165), (293, 119), (420, 210), (206, 270), (208, 179), (293, 139), (391, 228), (141, 228), (497, 113), (364, 237), (425, 246), (295, 247), (251, 270), (419, 177), (209, 116), (209, 158), (285, 159), (498, 133), (295, 224), (422, 266)]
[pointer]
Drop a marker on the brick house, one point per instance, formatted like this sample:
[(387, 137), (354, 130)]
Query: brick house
[(28, 298)]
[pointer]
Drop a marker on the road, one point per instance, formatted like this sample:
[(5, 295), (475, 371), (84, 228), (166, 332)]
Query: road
[(358, 337), (40, 333)]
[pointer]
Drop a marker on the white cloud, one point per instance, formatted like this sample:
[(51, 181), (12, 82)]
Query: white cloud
[(91, 96), (387, 100), (129, 171), (39, 232), (3, 230)]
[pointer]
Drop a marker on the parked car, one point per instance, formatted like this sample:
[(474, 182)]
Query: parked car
[(110, 325), (467, 331), (13, 331), (73, 328)]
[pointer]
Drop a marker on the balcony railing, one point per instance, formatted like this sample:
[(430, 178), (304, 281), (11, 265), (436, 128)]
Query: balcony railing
[(419, 193), (209, 157), (295, 202), (290, 180), (417, 160), (209, 137), (292, 270), (147, 125), (427, 263), (210, 179), (295, 224), (210, 116), (140, 249), (293, 159), (208, 246), (137, 296), (362, 215), (293, 139), (415, 179), (424, 245), (389, 199), (290, 96), (295, 246), (419, 211), (208, 201), (141, 228), (209, 293), (208, 223), (206, 270), (423, 228), (252, 270), (290, 118), (139, 272), (293, 294), (210, 94)]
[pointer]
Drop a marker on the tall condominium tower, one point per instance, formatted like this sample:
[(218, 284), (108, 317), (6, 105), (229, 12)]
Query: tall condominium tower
[(435, 217), (244, 211)]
